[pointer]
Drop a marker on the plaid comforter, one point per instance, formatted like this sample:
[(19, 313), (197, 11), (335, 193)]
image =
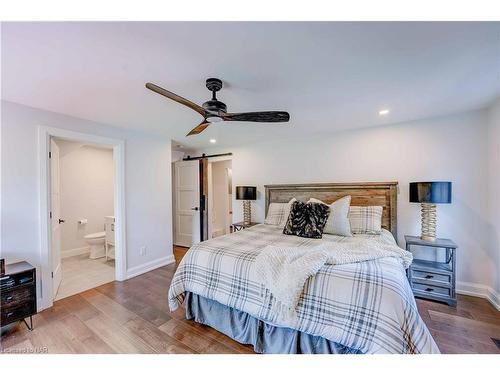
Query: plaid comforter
[(367, 306)]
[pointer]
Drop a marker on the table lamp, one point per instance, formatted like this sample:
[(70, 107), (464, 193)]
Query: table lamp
[(428, 194), (246, 194)]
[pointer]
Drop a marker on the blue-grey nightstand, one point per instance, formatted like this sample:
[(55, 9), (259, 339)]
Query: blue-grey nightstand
[(431, 279)]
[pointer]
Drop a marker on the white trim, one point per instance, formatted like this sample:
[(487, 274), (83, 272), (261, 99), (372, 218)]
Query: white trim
[(44, 134), (479, 290), (150, 266), (75, 251)]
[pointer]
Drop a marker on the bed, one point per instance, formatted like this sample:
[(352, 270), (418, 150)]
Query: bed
[(362, 307)]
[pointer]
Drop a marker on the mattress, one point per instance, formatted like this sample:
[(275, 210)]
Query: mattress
[(367, 307)]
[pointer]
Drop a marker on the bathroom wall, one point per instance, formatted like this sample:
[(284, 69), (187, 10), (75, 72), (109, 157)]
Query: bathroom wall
[(86, 174)]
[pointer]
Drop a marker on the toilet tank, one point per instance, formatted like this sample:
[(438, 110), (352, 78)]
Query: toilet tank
[(109, 227)]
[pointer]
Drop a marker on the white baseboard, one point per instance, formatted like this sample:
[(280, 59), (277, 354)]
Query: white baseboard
[(479, 290), (149, 266), (75, 251)]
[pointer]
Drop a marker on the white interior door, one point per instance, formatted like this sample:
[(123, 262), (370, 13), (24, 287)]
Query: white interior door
[(55, 202), (187, 201)]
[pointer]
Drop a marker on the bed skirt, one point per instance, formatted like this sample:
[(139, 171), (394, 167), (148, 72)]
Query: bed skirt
[(264, 337)]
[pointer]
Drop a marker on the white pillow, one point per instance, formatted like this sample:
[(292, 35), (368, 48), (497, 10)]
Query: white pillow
[(338, 219), (277, 213), (366, 219)]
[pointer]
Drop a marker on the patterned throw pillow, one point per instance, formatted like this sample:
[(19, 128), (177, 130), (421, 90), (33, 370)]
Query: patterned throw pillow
[(338, 219), (277, 213), (366, 220), (307, 219), (297, 219)]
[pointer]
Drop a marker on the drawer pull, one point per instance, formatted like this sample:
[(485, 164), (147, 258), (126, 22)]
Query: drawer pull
[(429, 276), (9, 314), (9, 298), (429, 289)]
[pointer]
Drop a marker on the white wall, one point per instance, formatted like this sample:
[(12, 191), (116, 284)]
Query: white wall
[(147, 187), (494, 188), (450, 148), (177, 155), (86, 175)]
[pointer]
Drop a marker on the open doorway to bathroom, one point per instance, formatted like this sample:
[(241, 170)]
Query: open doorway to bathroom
[(82, 222)]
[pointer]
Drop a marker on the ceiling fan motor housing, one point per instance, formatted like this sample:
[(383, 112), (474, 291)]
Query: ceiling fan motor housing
[(215, 106)]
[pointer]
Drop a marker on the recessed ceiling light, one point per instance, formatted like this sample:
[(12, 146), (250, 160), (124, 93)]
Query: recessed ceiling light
[(213, 140), (383, 112)]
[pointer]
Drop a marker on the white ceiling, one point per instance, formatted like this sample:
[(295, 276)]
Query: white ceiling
[(330, 76)]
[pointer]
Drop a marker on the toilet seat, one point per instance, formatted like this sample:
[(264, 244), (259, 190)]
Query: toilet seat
[(94, 236)]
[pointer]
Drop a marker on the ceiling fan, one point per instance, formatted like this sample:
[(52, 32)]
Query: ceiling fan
[(216, 111)]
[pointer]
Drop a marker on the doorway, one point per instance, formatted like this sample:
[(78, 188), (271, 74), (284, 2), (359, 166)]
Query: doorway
[(81, 216), (220, 201), (202, 198), (53, 221)]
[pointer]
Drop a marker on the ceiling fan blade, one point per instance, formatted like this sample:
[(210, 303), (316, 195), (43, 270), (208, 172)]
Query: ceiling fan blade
[(177, 98), (199, 128), (272, 116)]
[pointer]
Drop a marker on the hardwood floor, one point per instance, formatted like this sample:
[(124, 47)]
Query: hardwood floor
[(133, 317)]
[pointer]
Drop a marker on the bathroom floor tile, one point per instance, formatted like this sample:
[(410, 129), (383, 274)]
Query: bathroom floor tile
[(80, 273)]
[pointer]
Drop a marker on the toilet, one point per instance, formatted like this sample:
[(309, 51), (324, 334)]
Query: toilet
[(96, 243)]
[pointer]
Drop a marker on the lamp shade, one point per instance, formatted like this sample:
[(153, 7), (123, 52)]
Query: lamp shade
[(430, 192), (247, 193)]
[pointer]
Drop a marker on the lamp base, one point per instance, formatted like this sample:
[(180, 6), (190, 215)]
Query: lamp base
[(247, 212), (427, 238), (429, 221)]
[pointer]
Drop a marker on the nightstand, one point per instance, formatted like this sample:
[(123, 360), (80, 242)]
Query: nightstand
[(241, 225), (18, 294), (431, 279)]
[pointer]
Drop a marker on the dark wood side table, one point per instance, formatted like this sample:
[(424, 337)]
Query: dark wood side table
[(241, 225), (431, 279), (18, 294)]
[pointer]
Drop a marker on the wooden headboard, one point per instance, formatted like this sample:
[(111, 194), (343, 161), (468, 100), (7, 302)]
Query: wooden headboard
[(362, 194)]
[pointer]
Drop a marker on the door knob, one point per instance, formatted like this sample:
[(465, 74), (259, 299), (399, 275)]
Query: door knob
[(61, 221), (195, 208)]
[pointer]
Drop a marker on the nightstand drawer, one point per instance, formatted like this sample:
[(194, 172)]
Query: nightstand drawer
[(13, 314), (422, 276), (431, 290), (17, 295)]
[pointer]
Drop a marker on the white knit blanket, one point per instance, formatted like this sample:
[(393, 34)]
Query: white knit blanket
[(283, 271)]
